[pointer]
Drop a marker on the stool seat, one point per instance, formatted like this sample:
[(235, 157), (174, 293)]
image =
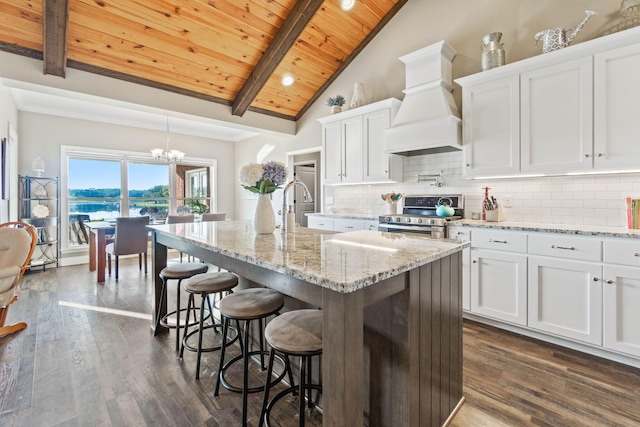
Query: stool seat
[(183, 270), (210, 283), (251, 303), (296, 332)]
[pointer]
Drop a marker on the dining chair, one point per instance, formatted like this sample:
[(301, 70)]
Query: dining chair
[(218, 216), (180, 219), (17, 243), (131, 237)]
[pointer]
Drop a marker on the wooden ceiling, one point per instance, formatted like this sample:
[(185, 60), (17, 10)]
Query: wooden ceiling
[(229, 52)]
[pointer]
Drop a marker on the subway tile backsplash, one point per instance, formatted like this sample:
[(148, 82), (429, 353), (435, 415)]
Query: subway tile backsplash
[(588, 199)]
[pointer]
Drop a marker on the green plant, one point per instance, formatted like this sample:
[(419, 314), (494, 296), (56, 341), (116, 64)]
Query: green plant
[(197, 206), (337, 100)]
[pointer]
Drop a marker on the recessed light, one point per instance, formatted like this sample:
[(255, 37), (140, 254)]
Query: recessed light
[(347, 5), (287, 80)]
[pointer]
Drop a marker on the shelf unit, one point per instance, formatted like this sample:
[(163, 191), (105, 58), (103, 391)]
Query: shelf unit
[(40, 207)]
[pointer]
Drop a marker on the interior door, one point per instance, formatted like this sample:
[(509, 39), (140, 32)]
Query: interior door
[(307, 175)]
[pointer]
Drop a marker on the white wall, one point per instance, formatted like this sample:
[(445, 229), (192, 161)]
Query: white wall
[(462, 23), (9, 117), (43, 135)]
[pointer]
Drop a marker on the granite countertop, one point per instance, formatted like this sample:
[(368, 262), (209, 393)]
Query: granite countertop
[(343, 262), (585, 230)]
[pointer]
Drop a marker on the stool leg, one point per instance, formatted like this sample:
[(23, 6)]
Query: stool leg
[(186, 327), (225, 328), (199, 335), (261, 336), (301, 389), (178, 317), (309, 401), (245, 373), (267, 388)]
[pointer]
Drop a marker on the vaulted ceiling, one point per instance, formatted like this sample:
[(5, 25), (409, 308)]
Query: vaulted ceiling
[(230, 52)]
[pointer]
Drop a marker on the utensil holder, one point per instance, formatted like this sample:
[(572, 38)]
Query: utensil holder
[(392, 208)]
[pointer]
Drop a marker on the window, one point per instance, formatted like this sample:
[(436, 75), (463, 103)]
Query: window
[(100, 185)]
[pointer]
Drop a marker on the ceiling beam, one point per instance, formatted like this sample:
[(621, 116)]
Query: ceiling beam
[(291, 29), (56, 17)]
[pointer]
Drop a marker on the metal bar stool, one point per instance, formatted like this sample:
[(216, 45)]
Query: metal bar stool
[(178, 272), (205, 285), (245, 306), (295, 333)]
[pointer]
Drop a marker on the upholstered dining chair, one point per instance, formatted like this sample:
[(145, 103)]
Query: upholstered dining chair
[(180, 219), (132, 237), (218, 216), (17, 243)]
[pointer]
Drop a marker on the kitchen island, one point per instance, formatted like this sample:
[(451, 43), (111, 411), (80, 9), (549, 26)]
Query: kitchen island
[(392, 314)]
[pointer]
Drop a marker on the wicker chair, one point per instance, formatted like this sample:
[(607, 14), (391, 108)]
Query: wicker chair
[(17, 243)]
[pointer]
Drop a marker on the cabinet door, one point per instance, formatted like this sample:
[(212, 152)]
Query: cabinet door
[(565, 298), (491, 128), (557, 117), (617, 96), (344, 225), (371, 225), (464, 235), (499, 285), (621, 313), (377, 163), (332, 145), (352, 160)]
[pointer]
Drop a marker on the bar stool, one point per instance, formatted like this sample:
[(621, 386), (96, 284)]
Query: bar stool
[(295, 333), (178, 272), (205, 285), (247, 305)]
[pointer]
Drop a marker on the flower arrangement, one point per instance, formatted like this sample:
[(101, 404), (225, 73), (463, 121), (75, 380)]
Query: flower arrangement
[(337, 101), (263, 178)]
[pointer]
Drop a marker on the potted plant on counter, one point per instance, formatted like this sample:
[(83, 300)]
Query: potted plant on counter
[(336, 103)]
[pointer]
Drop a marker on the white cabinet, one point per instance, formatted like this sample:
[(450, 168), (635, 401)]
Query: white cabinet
[(354, 145), (345, 224), (342, 144), (319, 222), (464, 235), (370, 225), (617, 96), (491, 128), (621, 296), (499, 275), (556, 128)]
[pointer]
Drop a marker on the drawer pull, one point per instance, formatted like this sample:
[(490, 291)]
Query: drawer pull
[(349, 226), (568, 248), (636, 254), (497, 241)]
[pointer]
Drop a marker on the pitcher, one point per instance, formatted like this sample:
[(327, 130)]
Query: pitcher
[(556, 38)]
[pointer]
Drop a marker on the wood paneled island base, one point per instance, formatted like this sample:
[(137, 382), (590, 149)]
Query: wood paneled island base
[(392, 315)]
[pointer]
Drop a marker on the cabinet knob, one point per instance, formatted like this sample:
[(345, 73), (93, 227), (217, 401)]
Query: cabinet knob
[(595, 279), (600, 154), (468, 165), (475, 261), (610, 282), (636, 254), (586, 156)]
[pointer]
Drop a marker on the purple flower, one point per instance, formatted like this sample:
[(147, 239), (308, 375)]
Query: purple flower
[(275, 171)]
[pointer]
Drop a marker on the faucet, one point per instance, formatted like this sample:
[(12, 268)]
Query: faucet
[(306, 195)]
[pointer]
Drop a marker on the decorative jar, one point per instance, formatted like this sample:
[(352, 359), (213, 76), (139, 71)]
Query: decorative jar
[(264, 220)]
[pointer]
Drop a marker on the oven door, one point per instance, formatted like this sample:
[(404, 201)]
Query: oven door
[(427, 231)]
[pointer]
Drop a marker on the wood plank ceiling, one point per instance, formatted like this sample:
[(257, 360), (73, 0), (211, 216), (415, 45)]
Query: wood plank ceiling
[(229, 52)]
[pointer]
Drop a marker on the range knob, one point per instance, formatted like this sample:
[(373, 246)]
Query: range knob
[(419, 220), (408, 219), (431, 221), (387, 218), (397, 219)]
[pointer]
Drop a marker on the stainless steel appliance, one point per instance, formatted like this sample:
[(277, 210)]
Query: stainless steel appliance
[(419, 216)]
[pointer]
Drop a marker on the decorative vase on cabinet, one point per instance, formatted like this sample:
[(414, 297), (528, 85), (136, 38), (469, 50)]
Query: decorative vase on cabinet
[(264, 220), (358, 99)]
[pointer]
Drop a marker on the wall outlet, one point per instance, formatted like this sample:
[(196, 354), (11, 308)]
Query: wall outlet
[(507, 201), (328, 200)]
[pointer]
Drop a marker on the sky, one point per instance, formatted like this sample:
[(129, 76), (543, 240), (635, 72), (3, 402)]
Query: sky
[(106, 174)]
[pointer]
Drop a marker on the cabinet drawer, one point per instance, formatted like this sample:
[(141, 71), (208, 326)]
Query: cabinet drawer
[(344, 225), (371, 225), (499, 240), (320, 223), (626, 253), (566, 247)]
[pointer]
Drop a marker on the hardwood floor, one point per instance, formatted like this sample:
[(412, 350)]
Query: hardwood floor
[(87, 359)]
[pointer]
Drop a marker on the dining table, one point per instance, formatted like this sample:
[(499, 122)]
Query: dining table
[(391, 304), (98, 231)]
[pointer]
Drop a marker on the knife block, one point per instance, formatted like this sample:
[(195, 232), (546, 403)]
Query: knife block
[(495, 215)]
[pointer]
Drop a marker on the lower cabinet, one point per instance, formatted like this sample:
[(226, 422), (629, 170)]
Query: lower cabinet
[(565, 298), (464, 235), (499, 285), (320, 222), (622, 309), (341, 225)]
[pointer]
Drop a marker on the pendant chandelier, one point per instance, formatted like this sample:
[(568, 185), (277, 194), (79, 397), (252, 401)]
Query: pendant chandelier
[(172, 156)]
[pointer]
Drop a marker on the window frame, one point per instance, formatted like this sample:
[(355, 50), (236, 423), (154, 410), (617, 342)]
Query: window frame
[(124, 157)]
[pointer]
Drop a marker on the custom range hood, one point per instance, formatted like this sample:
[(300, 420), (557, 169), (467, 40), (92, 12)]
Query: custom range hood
[(428, 120)]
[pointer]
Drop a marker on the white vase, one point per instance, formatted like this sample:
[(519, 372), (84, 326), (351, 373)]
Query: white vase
[(264, 221), (358, 99)]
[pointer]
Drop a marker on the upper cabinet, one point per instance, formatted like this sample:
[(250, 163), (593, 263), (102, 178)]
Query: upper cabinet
[(568, 111), (354, 145)]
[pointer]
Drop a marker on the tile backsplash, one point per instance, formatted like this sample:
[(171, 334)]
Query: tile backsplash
[(585, 199)]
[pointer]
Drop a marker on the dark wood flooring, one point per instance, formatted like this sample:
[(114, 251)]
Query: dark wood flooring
[(87, 359)]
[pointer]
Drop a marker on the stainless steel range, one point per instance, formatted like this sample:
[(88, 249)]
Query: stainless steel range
[(419, 216)]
